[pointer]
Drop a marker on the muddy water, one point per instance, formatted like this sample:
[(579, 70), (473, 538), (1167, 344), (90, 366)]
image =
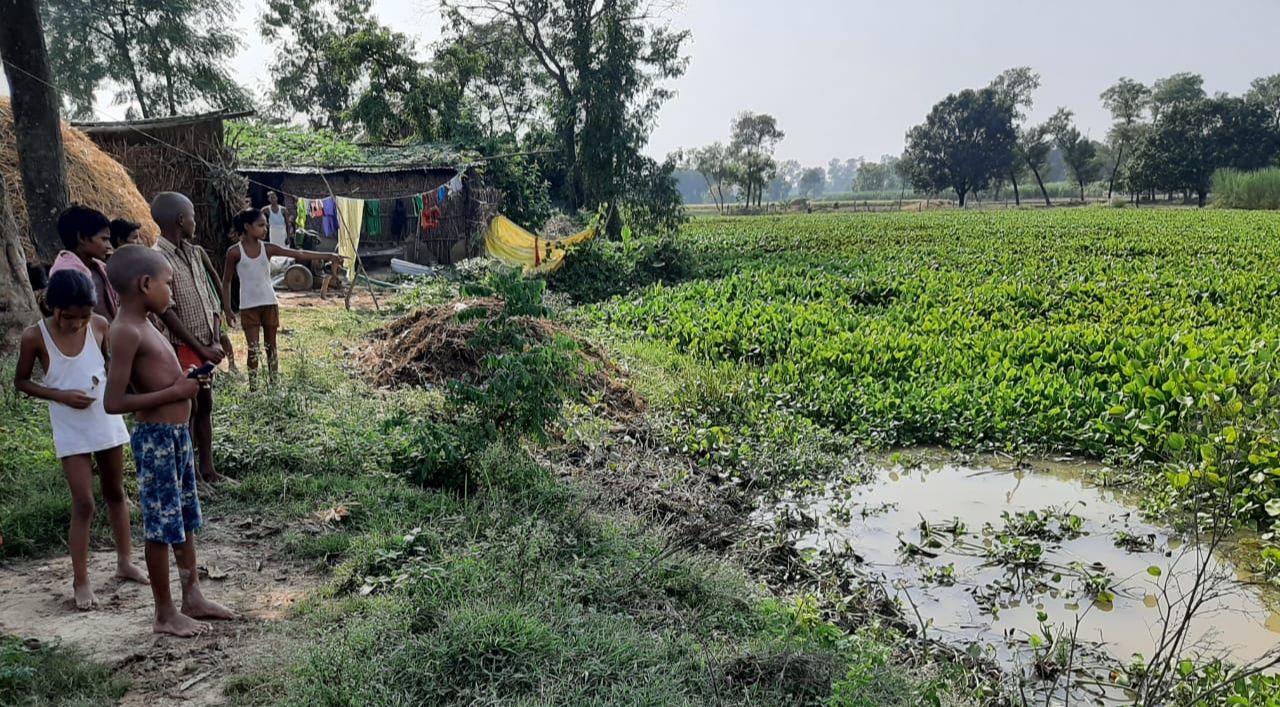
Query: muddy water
[(996, 606)]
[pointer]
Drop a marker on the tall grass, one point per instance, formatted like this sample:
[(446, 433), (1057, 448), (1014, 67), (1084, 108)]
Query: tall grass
[(1258, 190)]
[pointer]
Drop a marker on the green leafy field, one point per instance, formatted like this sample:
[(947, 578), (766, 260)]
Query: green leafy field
[(1148, 334)]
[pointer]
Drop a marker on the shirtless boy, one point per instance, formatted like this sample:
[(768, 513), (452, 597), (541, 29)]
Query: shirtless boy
[(160, 400)]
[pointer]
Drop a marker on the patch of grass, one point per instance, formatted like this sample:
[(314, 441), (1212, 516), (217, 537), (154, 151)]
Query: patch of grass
[(528, 598), (514, 592), (41, 675)]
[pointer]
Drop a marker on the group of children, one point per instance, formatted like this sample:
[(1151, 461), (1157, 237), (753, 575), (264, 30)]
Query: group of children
[(137, 330)]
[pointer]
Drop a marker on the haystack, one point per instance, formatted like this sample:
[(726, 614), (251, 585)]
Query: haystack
[(434, 345), (93, 177)]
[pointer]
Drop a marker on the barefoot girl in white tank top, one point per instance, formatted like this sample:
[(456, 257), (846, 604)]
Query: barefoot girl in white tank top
[(71, 347), (250, 261)]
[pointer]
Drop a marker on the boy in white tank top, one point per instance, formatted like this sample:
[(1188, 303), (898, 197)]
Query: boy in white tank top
[(250, 260), (71, 346)]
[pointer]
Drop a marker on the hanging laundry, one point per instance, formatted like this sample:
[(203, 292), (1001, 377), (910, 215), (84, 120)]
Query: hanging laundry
[(430, 218), (455, 184), (317, 208), (329, 212), (302, 212), (373, 218), (399, 219), (350, 214), (441, 193), (417, 205)]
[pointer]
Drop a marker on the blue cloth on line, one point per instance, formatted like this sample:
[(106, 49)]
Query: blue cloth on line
[(330, 217)]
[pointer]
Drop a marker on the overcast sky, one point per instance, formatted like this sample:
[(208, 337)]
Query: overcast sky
[(847, 78)]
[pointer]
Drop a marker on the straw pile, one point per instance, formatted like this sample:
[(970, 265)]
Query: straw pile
[(432, 346), (93, 177)]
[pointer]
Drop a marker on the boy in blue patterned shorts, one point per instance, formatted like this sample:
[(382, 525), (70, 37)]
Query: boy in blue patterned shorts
[(160, 400)]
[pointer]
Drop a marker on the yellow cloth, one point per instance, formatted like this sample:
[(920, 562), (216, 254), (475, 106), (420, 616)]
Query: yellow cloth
[(350, 216), (518, 248)]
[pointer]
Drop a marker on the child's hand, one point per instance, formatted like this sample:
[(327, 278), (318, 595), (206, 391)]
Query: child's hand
[(187, 388), (75, 399), (336, 259)]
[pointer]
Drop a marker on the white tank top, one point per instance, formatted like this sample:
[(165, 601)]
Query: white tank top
[(255, 279), (91, 429), (277, 231)]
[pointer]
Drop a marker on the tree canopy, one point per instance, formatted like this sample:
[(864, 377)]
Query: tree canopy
[(1189, 142), (160, 57), (601, 68), (966, 141), (753, 139)]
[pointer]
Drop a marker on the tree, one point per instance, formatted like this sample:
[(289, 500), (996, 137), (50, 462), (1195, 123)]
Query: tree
[(812, 182), (1188, 143), (1078, 151), (754, 138), (1178, 90), (779, 188), (1032, 148), (602, 65), (343, 70), (17, 302), (966, 140), (872, 176), (713, 163), (790, 170), (1127, 100), (1016, 87), (36, 122), (1266, 92), (160, 57), (485, 82), (840, 174), (902, 172)]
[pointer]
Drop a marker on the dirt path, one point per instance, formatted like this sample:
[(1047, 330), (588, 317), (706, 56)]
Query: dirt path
[(244, 573)]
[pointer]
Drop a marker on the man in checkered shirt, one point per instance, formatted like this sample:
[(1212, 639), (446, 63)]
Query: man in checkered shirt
[(192, 321)]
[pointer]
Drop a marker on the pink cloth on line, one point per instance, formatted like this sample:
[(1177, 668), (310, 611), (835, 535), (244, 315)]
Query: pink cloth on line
[(67, 260)]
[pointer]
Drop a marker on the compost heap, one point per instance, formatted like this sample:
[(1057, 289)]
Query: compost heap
[(433, 345), (94, 178)]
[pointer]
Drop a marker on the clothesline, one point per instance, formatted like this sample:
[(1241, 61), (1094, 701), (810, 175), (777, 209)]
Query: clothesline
[(334, 211), (456, 179)]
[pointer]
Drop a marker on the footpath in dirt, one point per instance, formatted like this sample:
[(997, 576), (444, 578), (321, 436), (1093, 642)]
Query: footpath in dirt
[(237, 567)]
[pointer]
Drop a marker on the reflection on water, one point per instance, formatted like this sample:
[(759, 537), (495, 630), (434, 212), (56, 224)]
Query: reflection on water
[(890, 522)]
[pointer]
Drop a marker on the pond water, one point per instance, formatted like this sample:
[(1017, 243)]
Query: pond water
[(991, 551)]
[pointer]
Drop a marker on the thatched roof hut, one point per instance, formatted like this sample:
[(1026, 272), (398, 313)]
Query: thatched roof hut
[(186, 154), (94, 178), (389, 174)]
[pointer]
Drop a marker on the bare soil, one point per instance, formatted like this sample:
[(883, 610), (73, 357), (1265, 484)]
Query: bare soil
[(238, 569)]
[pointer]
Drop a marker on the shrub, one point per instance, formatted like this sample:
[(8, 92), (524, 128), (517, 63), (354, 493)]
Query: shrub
[(600, 269)]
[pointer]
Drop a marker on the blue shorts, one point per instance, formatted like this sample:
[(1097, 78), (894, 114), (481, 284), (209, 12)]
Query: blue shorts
[(166, 482)]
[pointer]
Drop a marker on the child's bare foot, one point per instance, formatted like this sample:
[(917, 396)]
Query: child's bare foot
[(85, 598), (180, 625), (132, 573), (201, 608)]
